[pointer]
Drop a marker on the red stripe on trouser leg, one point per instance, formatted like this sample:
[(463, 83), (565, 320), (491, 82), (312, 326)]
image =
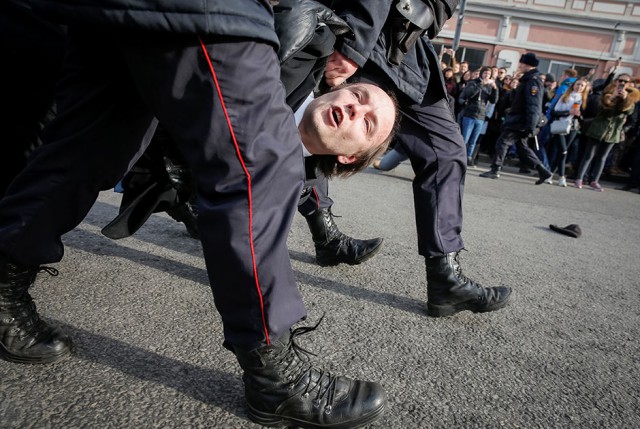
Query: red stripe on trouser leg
[(249, 195), (315, 193)]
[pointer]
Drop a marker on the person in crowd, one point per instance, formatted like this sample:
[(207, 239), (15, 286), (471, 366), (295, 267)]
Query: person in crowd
[(616, 104), (462, 83), (494, 73), (455, 66), (634, 134), (502, 74), (494, 124), (549, 92), (452, 88), (198, 77), (475, 97), (429, 136), (464, 66), (522, 121), (568, 108)]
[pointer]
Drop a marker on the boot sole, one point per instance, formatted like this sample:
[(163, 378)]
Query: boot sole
[(10, 357), (274, 420), (434, 310), (334, 262)]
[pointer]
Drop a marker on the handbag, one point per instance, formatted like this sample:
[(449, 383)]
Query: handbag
[(561, 126)]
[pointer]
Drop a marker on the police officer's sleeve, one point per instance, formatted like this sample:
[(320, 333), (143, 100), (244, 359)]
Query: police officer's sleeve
[(366, 18)]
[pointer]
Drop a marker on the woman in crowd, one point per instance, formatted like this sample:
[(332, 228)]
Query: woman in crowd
[(568, 109), (475, 97), (616, 104), (451, 86)]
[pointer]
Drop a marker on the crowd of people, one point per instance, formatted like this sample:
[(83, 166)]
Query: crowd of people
[(587, 126)]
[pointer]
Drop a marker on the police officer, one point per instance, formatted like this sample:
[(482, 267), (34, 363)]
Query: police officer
[(180, 62), (391, 48), (522, 121)]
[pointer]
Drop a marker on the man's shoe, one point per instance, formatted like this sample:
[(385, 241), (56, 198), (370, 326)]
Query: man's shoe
[(562, 182), (24, 337), (334, 247), (494, 173), (283, 388), (449, 291), (544, 175)]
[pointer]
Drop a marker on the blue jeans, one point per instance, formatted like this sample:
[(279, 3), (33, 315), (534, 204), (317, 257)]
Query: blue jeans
[(471, 129)]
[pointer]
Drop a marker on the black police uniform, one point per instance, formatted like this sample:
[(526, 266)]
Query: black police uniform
[(428, 133), (522, 120), (238, 136)]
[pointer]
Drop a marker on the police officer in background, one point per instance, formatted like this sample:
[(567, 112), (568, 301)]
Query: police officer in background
[(391, 48), (202, 69), (522, 121)]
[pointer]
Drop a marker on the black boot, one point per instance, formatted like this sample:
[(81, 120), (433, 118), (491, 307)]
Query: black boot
[(449, 291), (494, 173), (282, 387), (543, 174), (187, 214), (24, 338), (333, 247)]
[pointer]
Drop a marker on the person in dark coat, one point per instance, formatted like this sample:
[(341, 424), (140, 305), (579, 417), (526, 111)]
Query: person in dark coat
[(209, 72), (392, 48), (522, 121)]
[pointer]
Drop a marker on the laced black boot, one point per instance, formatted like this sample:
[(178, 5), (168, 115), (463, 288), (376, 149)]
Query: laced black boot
[(24, 338), (283, 388), (449, 291), (494, 173), (334, 247)]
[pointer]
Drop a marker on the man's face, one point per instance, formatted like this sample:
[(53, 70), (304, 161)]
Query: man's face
[(347, 121), (464, 67), (485, 75)]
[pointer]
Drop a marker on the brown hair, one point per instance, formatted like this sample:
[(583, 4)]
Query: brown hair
[(585, 92), (329, 164), (571, 72)]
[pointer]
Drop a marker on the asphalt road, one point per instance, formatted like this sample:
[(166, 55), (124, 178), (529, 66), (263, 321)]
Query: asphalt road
[(564, 354)]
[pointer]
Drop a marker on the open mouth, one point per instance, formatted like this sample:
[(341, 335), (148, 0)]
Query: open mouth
[(337, 116)]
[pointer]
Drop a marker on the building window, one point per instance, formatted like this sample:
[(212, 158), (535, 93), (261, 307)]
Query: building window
[(475, 57)]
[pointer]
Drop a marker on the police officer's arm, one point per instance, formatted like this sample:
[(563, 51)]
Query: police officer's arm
[(366, 18), (533, 105)]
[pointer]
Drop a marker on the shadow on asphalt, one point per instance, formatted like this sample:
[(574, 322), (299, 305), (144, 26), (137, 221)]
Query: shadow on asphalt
[(207, 385)]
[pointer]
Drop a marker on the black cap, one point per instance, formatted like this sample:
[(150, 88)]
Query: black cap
[(530, 59), (550, 78), (572, 230)]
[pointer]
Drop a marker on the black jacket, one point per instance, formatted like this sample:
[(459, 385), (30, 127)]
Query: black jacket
[(368, 19), (526, 107), (475, 97), (235, 18)]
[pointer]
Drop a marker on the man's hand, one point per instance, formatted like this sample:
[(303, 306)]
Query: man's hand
[(339, 68)]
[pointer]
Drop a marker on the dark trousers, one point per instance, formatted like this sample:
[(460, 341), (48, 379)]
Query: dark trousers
[(432, 140), (223, 103), (32, 51), (506, 140)]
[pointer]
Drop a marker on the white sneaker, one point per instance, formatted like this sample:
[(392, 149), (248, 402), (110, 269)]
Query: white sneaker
[(562, 182), (549, 180)]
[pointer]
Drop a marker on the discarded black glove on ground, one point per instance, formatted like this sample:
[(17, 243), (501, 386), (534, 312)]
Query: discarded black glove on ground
[(572, 230)]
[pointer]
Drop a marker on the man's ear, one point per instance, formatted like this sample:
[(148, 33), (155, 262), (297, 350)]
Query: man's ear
[(342, 159)]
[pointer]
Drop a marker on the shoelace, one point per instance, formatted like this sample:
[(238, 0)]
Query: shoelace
[(297, 360), (24, 309)]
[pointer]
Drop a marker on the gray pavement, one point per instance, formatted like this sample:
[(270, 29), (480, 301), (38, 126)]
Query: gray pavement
[(564, 354)]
